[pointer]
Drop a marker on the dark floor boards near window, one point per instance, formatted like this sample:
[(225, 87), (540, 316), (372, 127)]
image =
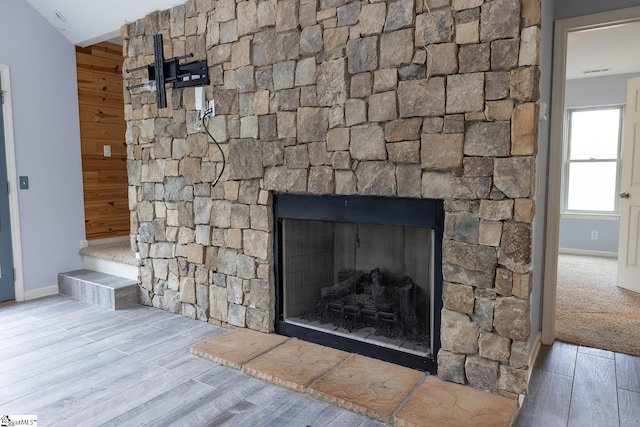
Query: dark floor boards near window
[(581, 386)]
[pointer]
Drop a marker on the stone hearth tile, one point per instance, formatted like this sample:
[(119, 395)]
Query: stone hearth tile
[(368, 386), (237, 347), (441, 403), (295, 364)]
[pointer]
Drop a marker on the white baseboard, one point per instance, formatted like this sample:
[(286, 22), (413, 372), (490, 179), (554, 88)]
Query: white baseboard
[(533, 356), (41, 292), (571, 251), (110, 267)]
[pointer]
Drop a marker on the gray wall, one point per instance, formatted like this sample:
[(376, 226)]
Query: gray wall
[(606, 90), (47, 139), (575, 233), (572, 8)]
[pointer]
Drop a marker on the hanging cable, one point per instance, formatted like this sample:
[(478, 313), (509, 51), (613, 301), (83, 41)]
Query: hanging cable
[(205, 116), (428, 26)]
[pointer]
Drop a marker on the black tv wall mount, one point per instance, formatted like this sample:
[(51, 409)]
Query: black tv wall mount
[(164, 71)]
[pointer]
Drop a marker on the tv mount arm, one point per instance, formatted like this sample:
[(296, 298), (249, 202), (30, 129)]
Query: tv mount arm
[(164, 71)]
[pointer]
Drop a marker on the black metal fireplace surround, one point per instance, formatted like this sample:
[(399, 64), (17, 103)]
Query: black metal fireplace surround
[(427, 214)]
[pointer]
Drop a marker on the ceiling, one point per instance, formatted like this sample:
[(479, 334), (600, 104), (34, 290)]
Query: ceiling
[(85, 22), (604, 51)]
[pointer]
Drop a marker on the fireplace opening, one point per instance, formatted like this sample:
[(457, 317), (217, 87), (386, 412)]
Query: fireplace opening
[(368, 281), (361, 274)]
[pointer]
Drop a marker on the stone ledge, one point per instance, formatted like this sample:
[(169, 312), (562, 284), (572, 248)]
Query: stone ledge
[(389, 393)]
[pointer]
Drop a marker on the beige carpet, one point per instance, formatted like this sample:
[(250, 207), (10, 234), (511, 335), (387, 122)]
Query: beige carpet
[(117, 251), (591, 310)]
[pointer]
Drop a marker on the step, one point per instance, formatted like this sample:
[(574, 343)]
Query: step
[(113, 257), (101, 289)]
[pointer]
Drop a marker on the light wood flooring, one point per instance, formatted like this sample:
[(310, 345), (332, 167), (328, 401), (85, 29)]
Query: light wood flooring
[(582, 386), (71, 363)]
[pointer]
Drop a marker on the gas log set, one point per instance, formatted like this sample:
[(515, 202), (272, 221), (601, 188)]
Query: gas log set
[(372, 299)]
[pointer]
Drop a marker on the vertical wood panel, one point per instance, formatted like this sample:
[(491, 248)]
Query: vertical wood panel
[(101, 106)]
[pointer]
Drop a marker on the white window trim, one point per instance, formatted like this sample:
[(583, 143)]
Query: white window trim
[(601, 217), (568, 213)]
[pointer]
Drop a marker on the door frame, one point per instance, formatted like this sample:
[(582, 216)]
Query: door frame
[(12, 178), (554, 189)]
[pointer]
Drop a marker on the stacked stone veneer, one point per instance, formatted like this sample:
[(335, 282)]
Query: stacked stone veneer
[(386, 98)]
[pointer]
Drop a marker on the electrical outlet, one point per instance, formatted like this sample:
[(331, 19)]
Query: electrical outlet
[(594, 235), (544, 111), (24, 182), (106, 150)]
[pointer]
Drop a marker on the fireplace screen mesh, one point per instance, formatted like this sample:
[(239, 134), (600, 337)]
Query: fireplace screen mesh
[(366, 282)]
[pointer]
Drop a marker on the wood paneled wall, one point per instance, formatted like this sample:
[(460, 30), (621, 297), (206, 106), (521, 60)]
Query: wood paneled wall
[(102, 123)]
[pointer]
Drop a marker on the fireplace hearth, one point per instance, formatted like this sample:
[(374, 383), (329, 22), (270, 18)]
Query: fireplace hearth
[(361, 274)]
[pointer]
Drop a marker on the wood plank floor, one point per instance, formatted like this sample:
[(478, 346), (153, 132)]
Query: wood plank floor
[(582, 386), (71, 363)]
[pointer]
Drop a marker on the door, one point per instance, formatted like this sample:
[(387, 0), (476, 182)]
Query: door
[(629, 241), (7, 287)]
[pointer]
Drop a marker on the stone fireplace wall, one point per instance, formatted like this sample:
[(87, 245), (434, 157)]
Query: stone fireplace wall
[(403, 98)]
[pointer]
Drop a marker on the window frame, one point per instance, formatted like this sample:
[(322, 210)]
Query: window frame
[(567, 163)]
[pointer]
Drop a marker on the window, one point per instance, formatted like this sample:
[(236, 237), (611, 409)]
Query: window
[(593, 160)]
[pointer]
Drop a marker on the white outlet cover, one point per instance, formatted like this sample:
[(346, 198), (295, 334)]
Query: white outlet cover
[(107, 150), (544, 111)]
